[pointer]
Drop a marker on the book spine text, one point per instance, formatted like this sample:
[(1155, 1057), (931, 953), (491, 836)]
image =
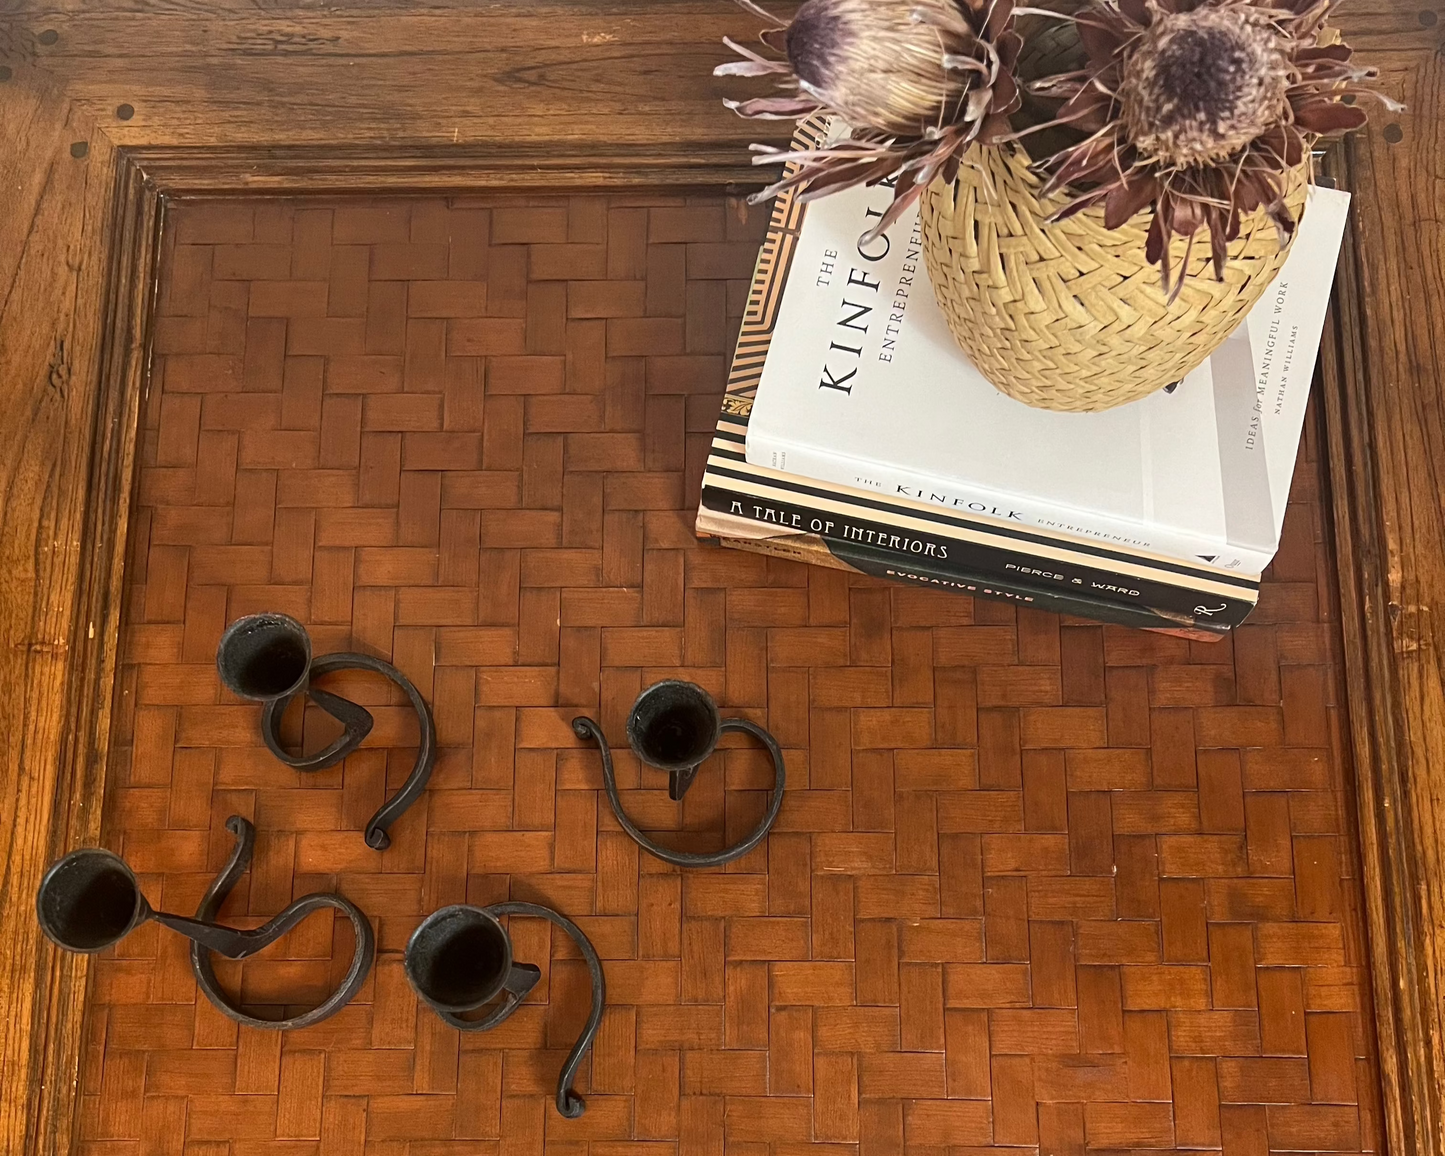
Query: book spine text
[(943, 556)]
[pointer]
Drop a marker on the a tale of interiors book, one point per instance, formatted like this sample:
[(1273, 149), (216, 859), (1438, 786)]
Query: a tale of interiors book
[(855, 432)]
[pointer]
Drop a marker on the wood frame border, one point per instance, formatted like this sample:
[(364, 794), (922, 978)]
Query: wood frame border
[(1398, 873), (78, 261), (124, 344), (80, 723)]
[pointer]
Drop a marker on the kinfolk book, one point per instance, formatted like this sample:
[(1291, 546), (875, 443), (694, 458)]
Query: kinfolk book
[(864, 386), (783, 515)]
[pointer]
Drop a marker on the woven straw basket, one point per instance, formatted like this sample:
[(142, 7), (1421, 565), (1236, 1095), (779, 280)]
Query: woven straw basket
[(1069, 315)]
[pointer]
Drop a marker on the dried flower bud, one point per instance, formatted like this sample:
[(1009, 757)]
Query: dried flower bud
[(881, 63), (917, 82), (1200, 84)]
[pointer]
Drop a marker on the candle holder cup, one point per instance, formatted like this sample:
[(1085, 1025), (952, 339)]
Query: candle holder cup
[(90, 900), (675, 726), (460, 960), (267, 658)]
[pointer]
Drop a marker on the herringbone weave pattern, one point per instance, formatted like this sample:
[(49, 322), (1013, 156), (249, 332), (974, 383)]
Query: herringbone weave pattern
[(1035, 884)]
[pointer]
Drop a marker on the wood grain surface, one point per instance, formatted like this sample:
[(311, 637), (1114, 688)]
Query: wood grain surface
[(1035, 883), (105, 109)]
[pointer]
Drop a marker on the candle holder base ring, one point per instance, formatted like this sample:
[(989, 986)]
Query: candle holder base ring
[(206, 980)]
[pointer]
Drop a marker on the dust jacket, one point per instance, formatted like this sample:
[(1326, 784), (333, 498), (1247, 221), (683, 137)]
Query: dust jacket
[(863, 386)]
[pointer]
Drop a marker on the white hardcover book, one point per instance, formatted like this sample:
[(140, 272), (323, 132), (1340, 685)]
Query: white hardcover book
[(864, 386)]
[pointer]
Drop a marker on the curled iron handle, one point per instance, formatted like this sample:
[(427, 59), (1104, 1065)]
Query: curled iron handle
[(586, 728), (569, 1103), (358, 723), (273, 930)]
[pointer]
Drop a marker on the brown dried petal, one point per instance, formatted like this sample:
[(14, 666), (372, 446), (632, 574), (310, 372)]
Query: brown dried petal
[(1087, 109), (1280, 148), (750, 68), (1136, 10), (1055, 88), (900, 202), (1154, 243), (1005, 94), (996, 127), (1188, 216), (1008, 45), (1284, 221), (1250, 191), (1339, 52), (1218, 249), (774, 107), (844, 175), (1100, 41), (999, 16), (1087, 164), (1232, 229), (1128, 198), (1298, 146), (1325, 116), (903, 185), (1078, 205)]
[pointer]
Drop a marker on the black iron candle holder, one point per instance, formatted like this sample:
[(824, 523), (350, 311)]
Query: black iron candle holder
[(267, 658), (460, 959), (675, 726), (91, 899)]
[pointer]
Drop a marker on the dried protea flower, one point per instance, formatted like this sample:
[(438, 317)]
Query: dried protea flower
[(1200, 110), (877, 65), (916, 81), (1199, 85)]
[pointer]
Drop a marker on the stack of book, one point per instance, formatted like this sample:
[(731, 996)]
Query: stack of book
[(855, 433)]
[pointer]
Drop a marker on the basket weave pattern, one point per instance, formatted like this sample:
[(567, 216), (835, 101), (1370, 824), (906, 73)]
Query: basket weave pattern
[(1069, 315)]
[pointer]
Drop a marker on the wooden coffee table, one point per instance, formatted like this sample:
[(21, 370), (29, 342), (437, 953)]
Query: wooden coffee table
[(937, 915)]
